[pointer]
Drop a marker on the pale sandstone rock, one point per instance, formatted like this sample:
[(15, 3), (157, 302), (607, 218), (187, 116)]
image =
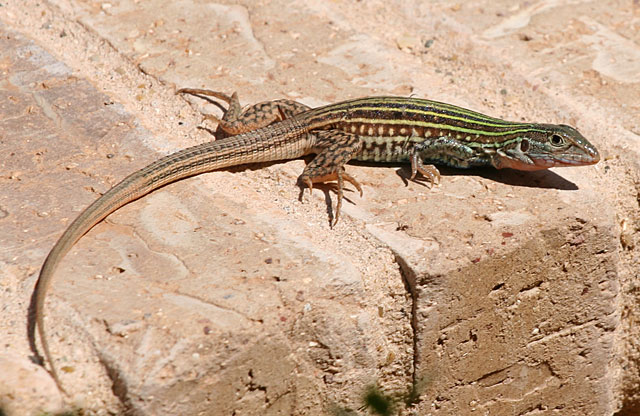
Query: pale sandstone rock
[(224, 293), (26, 388)]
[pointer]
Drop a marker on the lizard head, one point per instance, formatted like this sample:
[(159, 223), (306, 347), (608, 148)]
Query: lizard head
[(546, 146)]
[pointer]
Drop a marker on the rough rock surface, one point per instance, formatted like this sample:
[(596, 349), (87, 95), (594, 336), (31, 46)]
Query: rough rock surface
[(497, 292)]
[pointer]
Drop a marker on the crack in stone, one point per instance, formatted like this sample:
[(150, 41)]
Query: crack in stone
[(214, 304), (410, 279), (562, 332), (119, 386)]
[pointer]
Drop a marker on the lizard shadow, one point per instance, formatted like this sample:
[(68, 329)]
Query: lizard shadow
[(543, 179), (327, 189), (210, 100)]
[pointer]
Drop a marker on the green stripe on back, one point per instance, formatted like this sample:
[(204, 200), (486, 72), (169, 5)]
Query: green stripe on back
[(365, 104), (493, 123)]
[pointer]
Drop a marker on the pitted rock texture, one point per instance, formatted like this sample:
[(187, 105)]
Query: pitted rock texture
[(499, 292)]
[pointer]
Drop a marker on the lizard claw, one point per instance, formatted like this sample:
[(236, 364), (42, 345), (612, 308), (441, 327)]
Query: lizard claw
[(305, 181), (428, 171), (309, 184), (431, 173)]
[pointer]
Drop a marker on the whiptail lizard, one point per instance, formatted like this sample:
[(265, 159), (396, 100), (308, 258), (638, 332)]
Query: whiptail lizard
[(375, 129)]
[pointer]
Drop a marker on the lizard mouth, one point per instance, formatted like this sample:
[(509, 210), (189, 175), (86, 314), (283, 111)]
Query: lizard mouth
[(540, 162), (590, 156)]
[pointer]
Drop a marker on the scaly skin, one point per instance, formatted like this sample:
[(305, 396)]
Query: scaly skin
[(375, 129)]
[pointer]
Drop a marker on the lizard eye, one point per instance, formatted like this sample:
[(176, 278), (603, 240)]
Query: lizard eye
[(556, 140)]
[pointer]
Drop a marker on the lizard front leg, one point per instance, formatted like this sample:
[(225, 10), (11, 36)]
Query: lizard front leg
[(443, 149)]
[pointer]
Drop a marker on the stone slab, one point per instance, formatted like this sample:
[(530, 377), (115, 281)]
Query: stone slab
[(519, 294)]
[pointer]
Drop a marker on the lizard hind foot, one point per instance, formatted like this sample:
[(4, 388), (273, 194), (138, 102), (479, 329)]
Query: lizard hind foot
[(209, 93), (340, 176)]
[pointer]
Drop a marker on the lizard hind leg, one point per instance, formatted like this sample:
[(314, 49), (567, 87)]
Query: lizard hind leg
[(334, 149), (236, 121)]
